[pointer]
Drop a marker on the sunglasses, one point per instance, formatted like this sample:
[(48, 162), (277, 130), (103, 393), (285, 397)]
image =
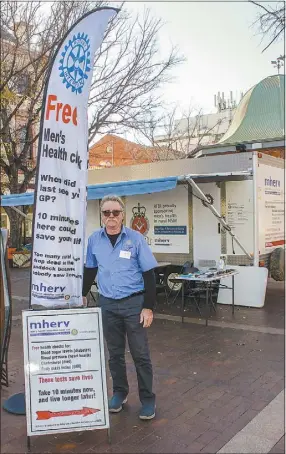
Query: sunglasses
[(107, 213)]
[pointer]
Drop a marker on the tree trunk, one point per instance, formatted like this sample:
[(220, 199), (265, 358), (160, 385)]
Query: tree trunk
[(16, 221)]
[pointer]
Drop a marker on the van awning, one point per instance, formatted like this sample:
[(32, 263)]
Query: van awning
[(98, 191), (124, 188), (136, 187), (12, 200)]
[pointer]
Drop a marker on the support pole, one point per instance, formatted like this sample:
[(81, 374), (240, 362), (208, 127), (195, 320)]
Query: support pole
[(22, 214), (28, 443), (255, 211), (208, 309)]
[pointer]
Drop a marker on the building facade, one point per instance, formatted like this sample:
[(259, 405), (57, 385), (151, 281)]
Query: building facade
[(114, 151), (190, 133), (258, 123)]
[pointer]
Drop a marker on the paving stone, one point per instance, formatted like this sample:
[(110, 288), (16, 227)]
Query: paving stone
[(249, 443), (279, 447), (207, 437), (204, 398)]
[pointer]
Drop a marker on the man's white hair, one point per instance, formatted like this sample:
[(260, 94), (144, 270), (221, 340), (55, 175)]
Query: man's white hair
[(112, 198)]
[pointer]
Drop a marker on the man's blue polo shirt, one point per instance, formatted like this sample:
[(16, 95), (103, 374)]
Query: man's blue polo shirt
[(120, 267)]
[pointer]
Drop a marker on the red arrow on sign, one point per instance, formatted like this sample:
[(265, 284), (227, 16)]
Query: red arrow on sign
[(85, 411)]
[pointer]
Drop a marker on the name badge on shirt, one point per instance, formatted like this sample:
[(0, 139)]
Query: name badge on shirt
[(125, 254)]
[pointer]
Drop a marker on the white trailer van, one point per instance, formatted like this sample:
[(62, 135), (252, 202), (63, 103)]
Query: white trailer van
[(199, 209)]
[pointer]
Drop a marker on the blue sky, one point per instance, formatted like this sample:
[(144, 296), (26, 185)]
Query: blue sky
[(221, 49)]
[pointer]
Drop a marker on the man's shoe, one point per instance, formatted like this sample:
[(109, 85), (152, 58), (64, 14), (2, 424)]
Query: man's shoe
[(147, 411), (116, 402)]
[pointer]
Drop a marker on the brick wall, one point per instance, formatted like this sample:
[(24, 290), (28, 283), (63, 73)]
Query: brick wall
[(117, 152), (278, 152)]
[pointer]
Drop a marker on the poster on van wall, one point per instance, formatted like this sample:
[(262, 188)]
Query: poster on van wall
[(162, 218), (60, 196), (239, 215), (271, 207)]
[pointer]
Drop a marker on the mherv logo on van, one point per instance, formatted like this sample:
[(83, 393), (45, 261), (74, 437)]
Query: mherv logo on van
[(49, 327), (271, 182)]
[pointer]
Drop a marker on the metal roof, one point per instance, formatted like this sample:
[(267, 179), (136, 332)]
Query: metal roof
[(260, 114)]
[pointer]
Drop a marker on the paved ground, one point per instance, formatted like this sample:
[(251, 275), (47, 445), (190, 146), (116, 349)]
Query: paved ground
[(262, 432), (210, 384)]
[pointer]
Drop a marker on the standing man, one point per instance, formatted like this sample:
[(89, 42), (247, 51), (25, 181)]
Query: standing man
[(127, 292)]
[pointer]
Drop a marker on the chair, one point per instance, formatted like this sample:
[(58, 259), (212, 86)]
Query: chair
[(194, 289), (160, 274), (91, 294), (186, 269)]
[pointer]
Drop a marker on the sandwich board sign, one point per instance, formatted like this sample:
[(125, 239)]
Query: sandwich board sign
[(65, 376)]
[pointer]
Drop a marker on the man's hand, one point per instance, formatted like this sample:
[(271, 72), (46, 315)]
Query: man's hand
[(84, 301), (146, 317)]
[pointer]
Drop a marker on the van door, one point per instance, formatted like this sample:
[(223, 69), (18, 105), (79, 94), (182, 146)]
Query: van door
[(206, 229)]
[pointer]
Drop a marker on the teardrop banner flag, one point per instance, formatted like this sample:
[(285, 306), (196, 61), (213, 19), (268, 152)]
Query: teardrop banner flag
[(60, 195)]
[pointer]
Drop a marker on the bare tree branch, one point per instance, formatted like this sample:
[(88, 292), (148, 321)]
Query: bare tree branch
[(129, 68), (129, 72), (177, 134), (29, 38), (271, 21)]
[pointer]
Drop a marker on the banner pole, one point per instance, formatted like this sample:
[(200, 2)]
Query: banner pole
[(28, 443), (109, 435), (61, 175)]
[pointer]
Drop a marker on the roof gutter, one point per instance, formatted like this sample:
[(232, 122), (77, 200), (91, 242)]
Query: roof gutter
[(243, 174), (250, 145)]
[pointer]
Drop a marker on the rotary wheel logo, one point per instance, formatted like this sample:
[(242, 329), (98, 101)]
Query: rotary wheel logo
[(75, 62), (67, 297), (139, 220), (74, 332)]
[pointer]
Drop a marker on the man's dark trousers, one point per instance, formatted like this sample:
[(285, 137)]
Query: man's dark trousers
[(121, 318)]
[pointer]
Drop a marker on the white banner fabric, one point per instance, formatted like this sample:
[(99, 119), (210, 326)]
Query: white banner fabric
[(60, 211)]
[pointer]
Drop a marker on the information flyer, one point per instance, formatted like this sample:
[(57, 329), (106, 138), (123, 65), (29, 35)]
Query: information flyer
[(239, 215), (271, 207), (65, 377), (162, 218)]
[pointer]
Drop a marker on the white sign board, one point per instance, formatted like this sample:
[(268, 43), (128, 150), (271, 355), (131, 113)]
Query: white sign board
[(60, 197), (271, 207), (65, 378), (162, 218), (239, 215)]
